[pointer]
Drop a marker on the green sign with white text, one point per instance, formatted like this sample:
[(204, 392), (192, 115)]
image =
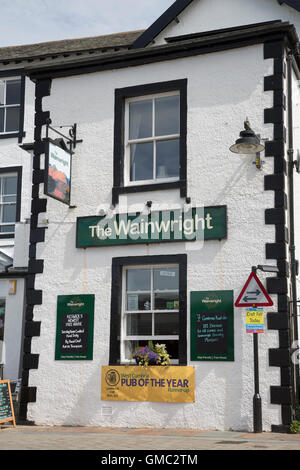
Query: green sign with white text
[(75, 327), (205, 223), (212, 326)]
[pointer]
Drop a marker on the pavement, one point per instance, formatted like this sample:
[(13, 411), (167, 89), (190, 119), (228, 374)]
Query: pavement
[(135, 440)]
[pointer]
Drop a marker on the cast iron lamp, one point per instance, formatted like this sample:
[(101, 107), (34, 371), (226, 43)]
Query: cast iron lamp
[(248, 144)]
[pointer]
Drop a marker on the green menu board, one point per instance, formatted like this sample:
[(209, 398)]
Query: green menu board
[(75, 327), (212, 326)]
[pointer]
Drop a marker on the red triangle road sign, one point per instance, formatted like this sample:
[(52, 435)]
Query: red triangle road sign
[(253, 293)]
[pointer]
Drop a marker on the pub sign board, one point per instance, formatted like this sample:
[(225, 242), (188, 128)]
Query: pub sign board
[(58, 162), (177, 225), (212, 326), (75, 327)]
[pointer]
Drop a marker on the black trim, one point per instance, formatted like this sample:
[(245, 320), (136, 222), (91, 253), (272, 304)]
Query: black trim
[(116, 299), (132, 58), (121, 95), (161, 23), (34, 297), (18, 170), (280, 321), (291, 3)]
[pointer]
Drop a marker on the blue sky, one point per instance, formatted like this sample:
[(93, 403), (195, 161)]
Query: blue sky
[(31, 21)]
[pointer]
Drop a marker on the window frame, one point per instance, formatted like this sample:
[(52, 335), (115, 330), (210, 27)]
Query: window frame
[(153, 311), (12, 75), (15, 170), (117, 300), (122, 97)]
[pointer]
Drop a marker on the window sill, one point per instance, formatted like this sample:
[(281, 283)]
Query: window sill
[(117, 191), (15, 135), (4, 235)]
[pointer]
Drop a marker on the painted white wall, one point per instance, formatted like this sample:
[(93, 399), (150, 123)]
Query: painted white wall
[(12, 328), (223, 88), (208, 15)]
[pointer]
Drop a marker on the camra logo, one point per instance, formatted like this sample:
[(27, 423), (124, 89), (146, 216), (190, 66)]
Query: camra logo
[(112, 378)]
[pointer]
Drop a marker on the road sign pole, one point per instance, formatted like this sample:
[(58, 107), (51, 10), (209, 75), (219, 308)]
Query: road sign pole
[(257, 412)]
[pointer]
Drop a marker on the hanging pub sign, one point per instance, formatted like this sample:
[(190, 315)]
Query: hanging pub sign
[(75, 327), (58, 162), (203, 223), (212, 326)]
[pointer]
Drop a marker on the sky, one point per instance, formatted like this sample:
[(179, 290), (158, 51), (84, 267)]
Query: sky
[(32, 21)]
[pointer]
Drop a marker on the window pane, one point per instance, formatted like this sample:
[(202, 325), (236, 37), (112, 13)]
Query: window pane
[(166, 278), (166, 301), (139, 280), (1, 119), (140, 119), (7, 229), (2, 92), (139, 324), (10, 185), (141, 162), (166, 323), (167, 115), (13, 92), (9, 213), (12, 119), (138, 302), (167, 159)]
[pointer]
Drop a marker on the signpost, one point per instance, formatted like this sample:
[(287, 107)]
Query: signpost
[(255, 295)]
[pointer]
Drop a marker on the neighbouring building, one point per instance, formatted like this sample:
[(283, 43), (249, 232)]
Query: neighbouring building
[(152, 225)]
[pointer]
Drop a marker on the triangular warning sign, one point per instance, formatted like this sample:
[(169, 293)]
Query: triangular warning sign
[(253, 293)]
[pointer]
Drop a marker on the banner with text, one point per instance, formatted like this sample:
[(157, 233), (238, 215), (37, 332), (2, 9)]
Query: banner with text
[(203, 223), (154, 384)]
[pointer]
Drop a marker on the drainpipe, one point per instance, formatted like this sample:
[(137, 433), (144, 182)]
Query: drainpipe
[(293, 268)]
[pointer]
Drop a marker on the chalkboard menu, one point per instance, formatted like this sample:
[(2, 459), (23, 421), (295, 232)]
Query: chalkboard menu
[(75, 327), (212, 328), (6, 404)]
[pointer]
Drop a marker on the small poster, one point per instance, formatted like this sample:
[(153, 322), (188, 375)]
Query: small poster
[(212, 326), (75, 327), (255, 320), (58, 172)]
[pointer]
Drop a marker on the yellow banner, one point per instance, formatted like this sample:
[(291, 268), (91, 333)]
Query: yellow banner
[(155, 384)]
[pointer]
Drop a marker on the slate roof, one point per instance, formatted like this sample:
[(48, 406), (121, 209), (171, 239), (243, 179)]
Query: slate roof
[(68, 48)]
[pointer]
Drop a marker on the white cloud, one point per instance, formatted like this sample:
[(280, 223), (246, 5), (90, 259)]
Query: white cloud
[(31, 21)]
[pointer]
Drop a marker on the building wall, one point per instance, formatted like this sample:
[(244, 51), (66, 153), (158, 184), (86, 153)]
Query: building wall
[(223, 89), (209, 15), (13, 328)]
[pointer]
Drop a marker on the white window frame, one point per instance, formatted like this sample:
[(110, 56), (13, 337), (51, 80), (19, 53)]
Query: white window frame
[(5, 106), (3, 224), (124, 311), (153, 138)]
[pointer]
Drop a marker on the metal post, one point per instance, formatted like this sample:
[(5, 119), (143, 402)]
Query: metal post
[(257, 413)]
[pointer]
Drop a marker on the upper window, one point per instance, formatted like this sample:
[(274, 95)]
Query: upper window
[(10, 105), (153, 136), (10, 183), (150, 138)]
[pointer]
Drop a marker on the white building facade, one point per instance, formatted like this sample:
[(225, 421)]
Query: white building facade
[(155, 125)]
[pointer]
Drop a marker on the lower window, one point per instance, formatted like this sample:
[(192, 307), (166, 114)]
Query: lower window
[(150, 310), (148, 304)]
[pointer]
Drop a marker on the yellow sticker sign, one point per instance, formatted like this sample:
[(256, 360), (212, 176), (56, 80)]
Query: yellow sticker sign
[(154, 384), (255, 320)]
